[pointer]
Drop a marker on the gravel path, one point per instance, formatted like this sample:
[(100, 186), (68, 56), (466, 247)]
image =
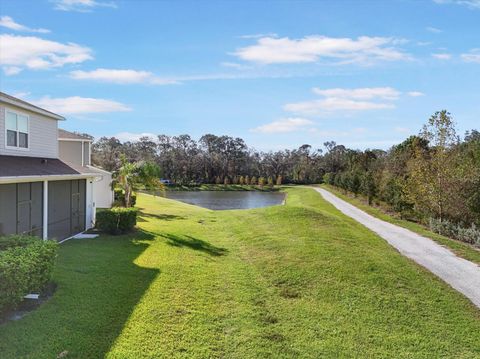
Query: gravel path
[(461, 274)]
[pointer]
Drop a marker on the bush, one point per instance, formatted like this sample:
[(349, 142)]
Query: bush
[(16, 240), (119, 196), (117, 220), (26, 266), (465, 234)]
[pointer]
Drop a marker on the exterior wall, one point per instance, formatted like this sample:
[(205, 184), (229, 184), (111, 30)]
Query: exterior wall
[(86, 154), (70, 152), (42, 135), (102, 191), (69, 208), (21, 208)]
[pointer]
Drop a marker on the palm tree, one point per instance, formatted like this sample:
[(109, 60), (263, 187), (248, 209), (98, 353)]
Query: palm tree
[(132, 176)]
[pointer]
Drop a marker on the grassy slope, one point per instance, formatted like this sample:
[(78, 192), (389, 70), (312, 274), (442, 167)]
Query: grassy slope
[(463, 250), (300, 280)]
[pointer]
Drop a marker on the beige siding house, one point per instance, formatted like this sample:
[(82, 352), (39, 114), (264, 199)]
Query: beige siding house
[(39, 193), (75, 149)]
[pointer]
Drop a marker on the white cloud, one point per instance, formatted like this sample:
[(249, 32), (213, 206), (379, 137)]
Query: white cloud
[(257, 36), (9, 23), (76, 105), (472, 4), (472, 56), (81, 5), (121, 77), (367, 93), (11, 70), (133, 137), (19, 52), (333, 104), (415, 94), (442, 56), (346, 101), (402, 130), (433, 30), (363, 50), (284, 125)]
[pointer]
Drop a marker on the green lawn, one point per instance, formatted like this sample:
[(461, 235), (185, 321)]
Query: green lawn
[(463, 250), (294, 281)]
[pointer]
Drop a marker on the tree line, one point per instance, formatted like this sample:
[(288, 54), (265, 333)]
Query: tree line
[(435, 174)]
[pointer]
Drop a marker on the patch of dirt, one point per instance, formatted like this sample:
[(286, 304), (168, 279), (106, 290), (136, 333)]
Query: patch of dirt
[(29, 305)]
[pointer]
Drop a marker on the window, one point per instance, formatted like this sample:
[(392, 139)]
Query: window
[(16, 130)]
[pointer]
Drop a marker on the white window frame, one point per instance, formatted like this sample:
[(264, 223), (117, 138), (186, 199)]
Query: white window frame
[(17, 148)]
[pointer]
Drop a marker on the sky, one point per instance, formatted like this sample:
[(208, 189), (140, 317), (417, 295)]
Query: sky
[(279, 74)]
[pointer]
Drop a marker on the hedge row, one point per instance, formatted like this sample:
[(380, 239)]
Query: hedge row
[(117, 220), (465, 234), (26, 266)]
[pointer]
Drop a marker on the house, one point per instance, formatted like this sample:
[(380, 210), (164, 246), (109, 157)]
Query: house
[(40, 194), (75, 149)]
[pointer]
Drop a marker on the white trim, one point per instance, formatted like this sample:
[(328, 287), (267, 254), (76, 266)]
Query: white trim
[(74, 139), (83, 154), (45, 210), (32, 108), (17, 148), (21, 179), (99, 169)]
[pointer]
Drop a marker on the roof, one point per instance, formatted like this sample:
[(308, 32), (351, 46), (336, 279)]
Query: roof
[(28, 106), (67, 135), (19, 166)]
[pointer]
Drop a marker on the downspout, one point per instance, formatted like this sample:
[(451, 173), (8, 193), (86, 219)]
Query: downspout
[(45, 210)]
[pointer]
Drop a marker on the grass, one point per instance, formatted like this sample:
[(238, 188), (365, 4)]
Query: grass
[(462, 249), (294, 281)]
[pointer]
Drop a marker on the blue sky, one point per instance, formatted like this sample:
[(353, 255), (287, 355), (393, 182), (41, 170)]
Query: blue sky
[(277, 73)]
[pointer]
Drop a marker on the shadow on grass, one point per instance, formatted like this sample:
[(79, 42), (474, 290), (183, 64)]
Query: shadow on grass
[(195, 244), (99, 286)]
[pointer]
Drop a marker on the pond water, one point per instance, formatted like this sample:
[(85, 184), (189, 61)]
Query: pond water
[(221, 200)]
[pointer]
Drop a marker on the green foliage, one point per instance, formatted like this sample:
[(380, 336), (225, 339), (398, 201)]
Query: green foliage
[(294, 281), (16, 240), (253, 181), (279, 181), (132, 176), (241, 181), (465, 234), (119, 196), (117, 220), (368, 186), (25, 266), (247, 180), (226, 181)]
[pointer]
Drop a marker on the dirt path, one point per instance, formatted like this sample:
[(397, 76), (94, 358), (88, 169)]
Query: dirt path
[(461, 274)]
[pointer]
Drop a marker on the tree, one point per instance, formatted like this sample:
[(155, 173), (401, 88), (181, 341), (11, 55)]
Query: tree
[(279, 180), (253, 181), (131, 176), (368, 186), (261, 182), (270, 181), (432, 172)]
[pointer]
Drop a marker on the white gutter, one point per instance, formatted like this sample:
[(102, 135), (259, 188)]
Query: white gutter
[(20, 179), (32, 108), (74, 139)]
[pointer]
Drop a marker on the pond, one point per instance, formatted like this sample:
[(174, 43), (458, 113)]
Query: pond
[(222, 200)]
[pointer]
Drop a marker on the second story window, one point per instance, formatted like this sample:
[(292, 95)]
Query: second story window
[(16, 130)]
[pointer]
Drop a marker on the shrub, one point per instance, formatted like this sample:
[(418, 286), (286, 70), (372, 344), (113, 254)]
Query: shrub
[(24, 268), (465, 234), (16, 240), (119, 196), (117, 220)]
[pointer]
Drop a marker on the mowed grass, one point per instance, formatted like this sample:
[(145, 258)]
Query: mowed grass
[(462, 249), (294, 281)]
